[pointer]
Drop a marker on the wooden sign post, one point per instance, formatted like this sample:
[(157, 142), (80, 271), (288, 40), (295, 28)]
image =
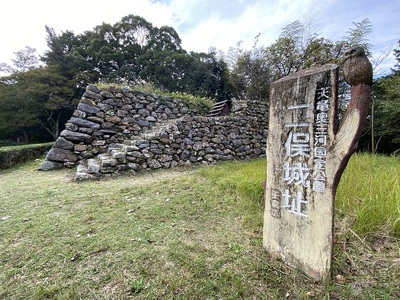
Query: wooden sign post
[(306, 156)]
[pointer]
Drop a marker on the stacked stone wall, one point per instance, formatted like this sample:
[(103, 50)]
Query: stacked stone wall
[(117, 130)]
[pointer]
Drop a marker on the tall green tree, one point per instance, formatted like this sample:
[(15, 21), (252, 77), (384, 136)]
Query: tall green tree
[(69, 53), (249, 72), (133, 50), (37, 97), (299, 46), (383, 133)]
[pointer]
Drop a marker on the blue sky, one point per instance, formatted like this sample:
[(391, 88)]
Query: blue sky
[(201, 24)]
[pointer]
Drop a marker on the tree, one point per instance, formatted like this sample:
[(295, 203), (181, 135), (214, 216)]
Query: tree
[(131, 51), (383, 133), (25, 59), (283, 57), (37, 97), (249, 72), (299, 46), (18, 113), (358, 35), (207, 76), (69, 53), (396, 53)]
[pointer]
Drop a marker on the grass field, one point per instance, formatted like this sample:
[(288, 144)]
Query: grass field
[(187, 234)]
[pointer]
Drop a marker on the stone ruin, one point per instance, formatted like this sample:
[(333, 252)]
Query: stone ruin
[(117, 130)]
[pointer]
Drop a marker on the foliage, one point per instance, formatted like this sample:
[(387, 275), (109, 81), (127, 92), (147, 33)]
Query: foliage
[(176, 234), (38, 97), (249, 74), (202, 103), (383, 131), (359, 35), (133, 50), (385, 125), (24, 60), (298, 47), (396, 53), (16, 154)]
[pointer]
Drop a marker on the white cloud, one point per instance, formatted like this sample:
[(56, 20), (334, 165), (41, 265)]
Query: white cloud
[(265, 17), (23, 22)]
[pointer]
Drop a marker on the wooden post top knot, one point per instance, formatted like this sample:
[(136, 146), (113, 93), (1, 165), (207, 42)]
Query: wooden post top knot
[(356, 68)]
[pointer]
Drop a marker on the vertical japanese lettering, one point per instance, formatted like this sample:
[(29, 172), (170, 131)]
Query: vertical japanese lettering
[(321, 122)]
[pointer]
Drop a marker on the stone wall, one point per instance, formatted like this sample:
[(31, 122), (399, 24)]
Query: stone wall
[(118, 130)]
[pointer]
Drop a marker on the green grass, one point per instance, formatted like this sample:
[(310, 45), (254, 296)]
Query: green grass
[(25, 146), (178, 234), (369, 194)]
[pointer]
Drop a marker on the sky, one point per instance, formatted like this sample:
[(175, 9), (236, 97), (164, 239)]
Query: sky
[(202, 24)]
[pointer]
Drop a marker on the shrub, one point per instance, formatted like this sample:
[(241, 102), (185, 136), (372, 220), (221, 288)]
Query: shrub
[(15, 154)]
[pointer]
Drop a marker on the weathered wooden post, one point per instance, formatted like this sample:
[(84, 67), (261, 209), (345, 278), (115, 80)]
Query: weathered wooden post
[(306, 156)]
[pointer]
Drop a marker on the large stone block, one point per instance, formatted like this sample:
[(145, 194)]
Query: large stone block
[(61, 155), (84, 123), (62, 143), (92, 95), (76, 136), (154, 164), (88, 108), (48, 165)]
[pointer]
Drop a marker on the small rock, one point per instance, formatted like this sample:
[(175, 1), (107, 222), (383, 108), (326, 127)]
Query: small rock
[(340, 279), (75, 257)]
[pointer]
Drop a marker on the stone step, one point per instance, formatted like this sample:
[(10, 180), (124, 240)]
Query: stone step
[(217, 108), (93, 166), (106, 160), (115, 159), (82, 172)]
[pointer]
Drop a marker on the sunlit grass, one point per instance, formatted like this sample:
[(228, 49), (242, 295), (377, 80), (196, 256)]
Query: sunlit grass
[(369, 193), (244, 181), (244, 178)]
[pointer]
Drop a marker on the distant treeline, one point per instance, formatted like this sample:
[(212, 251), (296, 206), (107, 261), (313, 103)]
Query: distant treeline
[(39, 94)]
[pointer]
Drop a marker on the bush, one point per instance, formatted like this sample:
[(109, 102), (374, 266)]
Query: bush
[(15, 154)]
